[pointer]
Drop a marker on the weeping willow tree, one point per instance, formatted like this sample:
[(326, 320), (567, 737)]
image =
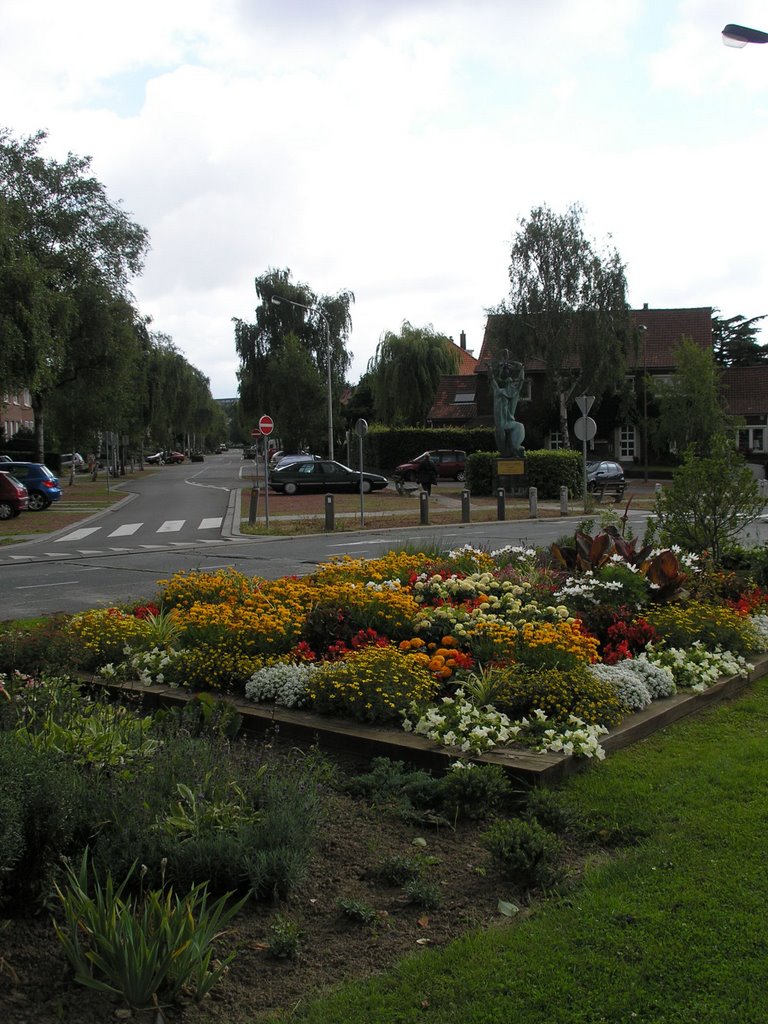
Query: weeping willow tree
[(405, 372)]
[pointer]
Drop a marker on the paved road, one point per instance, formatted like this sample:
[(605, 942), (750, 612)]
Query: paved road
[(186, 518)]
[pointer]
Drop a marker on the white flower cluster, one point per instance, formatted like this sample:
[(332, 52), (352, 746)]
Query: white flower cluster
[(514, 554), (505, 601), (699, 668), (467, 551), (384, 585), (575, 738), (629, 687), (588, 589), (760, 627), (285, 683), (149, 666), (659, 679), (456, 722)]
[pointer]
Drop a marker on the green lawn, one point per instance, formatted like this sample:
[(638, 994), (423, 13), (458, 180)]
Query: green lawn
[(667, 929)]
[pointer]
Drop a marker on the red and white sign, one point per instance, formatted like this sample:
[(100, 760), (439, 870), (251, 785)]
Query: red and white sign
[(255, 432), (266, 425)]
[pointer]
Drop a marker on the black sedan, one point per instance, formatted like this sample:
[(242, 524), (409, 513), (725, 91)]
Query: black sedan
[(321, 476), (604, 473)]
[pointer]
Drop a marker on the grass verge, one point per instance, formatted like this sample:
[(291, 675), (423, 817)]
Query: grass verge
[(669, 930)]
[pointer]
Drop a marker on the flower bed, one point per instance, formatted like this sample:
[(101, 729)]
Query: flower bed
[(475, 651)]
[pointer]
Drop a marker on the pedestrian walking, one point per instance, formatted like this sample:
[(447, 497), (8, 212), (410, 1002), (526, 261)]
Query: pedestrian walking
[(427, 475)]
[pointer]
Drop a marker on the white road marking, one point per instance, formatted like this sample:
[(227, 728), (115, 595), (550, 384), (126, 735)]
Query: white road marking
[(86, 531), (171, 526), (210, 524), (126, 530)]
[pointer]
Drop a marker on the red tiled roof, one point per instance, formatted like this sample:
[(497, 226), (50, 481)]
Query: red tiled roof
[(664, 329), (445, 407), (467, 362), (745, 389)]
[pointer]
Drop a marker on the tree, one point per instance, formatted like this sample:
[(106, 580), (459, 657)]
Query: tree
[(260, 343), (735, 341), (710, 500), (569, 308), (67, 255), (405, 372), (690, 405)]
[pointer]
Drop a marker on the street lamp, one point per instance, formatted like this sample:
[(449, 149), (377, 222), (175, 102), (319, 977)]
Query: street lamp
[(738, 35), (278, 300)]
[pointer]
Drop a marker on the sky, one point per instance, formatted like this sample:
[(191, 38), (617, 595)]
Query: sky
[(392, 147)]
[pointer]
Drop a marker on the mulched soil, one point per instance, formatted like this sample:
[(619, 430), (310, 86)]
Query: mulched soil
[(36, 984)]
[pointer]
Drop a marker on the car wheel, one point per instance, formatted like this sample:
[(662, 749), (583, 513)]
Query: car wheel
[(460, 476), (7, 511), (367, 487), (37, 501), (291, 488)]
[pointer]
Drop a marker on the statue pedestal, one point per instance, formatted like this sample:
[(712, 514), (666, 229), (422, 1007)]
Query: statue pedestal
[(512, 475)]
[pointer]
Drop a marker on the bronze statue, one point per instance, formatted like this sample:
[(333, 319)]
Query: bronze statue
[(506, 383)]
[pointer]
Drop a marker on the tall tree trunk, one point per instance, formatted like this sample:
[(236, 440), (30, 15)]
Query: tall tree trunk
[(39, 425)]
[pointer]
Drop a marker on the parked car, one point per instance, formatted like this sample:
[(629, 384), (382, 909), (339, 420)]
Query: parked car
[(321, 476), (42, 486), (14, 497), (292, 460), (603, 472), (5, 458), (69, 459), (449, 462), (197, 457), (221, 448), (161, 458), (250, 452)]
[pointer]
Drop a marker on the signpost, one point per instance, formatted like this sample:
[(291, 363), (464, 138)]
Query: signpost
[(585, 429), (361, 429), (264, 429)]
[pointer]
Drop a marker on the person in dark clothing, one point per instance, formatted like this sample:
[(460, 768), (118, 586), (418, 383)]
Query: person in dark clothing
[(427, 475)]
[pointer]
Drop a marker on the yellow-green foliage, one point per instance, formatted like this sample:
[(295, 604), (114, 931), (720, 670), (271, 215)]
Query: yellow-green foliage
[(715, 625), (221, 586), (394, 565), (559, 694), (371, 686), (211, 664), (104, 633)]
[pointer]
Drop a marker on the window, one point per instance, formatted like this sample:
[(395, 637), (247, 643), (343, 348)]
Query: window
[(464, 397), (751, 439), (627, 443), (555, 439)]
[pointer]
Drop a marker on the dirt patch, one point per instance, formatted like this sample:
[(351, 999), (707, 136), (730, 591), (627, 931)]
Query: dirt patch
[(36, 985)]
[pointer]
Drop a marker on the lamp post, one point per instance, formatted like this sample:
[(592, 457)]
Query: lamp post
[(739, 35), (278, 300)]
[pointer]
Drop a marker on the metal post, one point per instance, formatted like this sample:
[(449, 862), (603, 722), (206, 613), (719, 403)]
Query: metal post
[(533, 503), (500, 505), (266, 483), (253, 507), (329, 515), (584, 468), (465, 506), (424, 508), (563, 501), (360, 462)]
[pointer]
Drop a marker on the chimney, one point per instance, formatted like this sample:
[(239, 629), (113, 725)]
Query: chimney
[(463, 340), (645, 305)]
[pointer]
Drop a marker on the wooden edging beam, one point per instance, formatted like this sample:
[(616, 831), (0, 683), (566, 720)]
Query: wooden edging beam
[(528, 767)]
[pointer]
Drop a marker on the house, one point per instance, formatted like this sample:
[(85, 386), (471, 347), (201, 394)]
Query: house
[(454, 404), (15, 413), (465, 399), (745, 391)]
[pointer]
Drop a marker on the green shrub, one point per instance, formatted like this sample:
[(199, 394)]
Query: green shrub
[(45, 646), (423, 892), (356, 911), (398, 870), (142, 949), (474, 791), (527, 853), (715, 625), (560, 694), (284, 938)]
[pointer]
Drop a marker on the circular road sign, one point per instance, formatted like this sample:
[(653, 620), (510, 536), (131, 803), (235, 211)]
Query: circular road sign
[(266, 425), (255, 432), (585, 428)]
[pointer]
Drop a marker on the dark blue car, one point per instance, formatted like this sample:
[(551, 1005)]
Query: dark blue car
[(42, 485)]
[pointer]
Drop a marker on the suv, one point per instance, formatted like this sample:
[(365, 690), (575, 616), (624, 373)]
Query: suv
[(449, 463), (13, 496), (42, 485)]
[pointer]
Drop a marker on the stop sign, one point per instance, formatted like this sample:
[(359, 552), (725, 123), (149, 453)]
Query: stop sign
[(255, 432), (266, 425)]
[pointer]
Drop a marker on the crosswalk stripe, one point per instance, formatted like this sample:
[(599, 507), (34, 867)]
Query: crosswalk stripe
[(78, 534), (210, 524), (171, 526), (126, 530)]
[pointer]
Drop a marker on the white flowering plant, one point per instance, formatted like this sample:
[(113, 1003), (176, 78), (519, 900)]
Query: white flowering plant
[(698, 668), (285, 683)]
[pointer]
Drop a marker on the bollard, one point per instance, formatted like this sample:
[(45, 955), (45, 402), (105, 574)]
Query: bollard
[(563, 501), (533, 503), (465, 506), (329, 516), (500, 505), (424, 508), (658, 489), (253, 507)]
